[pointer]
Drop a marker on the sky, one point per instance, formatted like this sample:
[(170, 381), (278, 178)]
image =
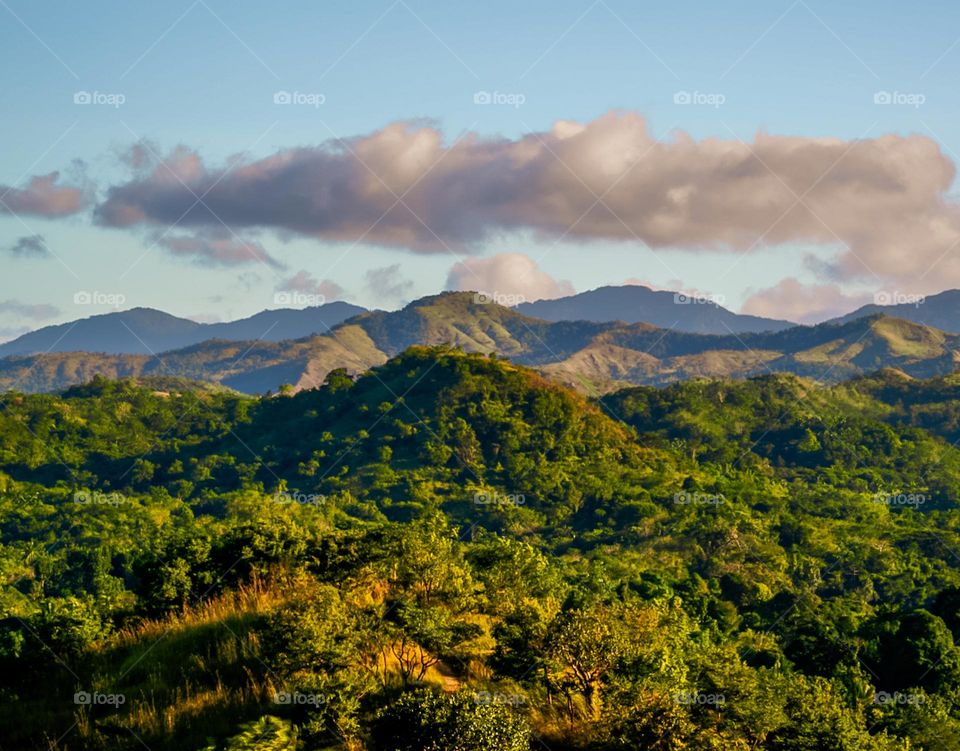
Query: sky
[(213, 159)]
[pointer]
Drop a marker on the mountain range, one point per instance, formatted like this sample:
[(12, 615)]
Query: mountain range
[(147, 331), (144, 331), (592, 356)]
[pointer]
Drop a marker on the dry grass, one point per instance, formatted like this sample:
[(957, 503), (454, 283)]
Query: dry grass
[(186, 677), (255, 597)]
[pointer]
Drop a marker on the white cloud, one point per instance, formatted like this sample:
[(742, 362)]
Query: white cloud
[(510, 275)]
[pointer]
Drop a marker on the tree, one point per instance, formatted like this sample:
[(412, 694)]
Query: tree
[(338, 379), (423, 635), (312, 633), (429, 564), (912, 650), (584, 645)]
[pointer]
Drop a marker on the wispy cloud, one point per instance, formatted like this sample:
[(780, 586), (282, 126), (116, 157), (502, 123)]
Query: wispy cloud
[(210, 248), (388, 284), (30, 311), (31, 246), (43, 196)]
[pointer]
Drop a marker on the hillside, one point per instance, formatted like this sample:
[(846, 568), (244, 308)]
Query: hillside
[(641, 354), (444, 548)]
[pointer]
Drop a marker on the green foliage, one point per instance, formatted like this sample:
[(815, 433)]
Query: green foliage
[(266, 734), (451, 552), (428, 721)]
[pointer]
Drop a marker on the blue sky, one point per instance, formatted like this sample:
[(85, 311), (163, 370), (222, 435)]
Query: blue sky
[(204, 75)]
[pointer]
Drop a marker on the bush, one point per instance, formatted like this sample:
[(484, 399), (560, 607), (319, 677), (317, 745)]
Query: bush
[(426, 720)]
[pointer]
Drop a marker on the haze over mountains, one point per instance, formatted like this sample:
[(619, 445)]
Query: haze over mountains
[(592, 356)]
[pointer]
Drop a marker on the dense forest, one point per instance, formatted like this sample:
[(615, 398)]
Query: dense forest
[(452, 553)]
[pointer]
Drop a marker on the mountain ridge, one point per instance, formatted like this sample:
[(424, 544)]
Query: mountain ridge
[(144, 330), (940, 311), (662, 308), (589, 356)]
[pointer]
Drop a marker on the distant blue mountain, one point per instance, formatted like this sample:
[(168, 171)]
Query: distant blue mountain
[(147, 331), (940, 311), (638, 304)]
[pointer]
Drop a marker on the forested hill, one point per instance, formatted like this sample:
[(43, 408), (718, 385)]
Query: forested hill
[(453, 552)]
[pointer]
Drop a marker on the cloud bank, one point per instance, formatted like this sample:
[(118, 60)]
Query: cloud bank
[(803, 303), (882, 201)]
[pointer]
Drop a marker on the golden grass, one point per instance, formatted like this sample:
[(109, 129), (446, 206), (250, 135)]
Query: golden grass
[(255, 597), (188, 676)]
